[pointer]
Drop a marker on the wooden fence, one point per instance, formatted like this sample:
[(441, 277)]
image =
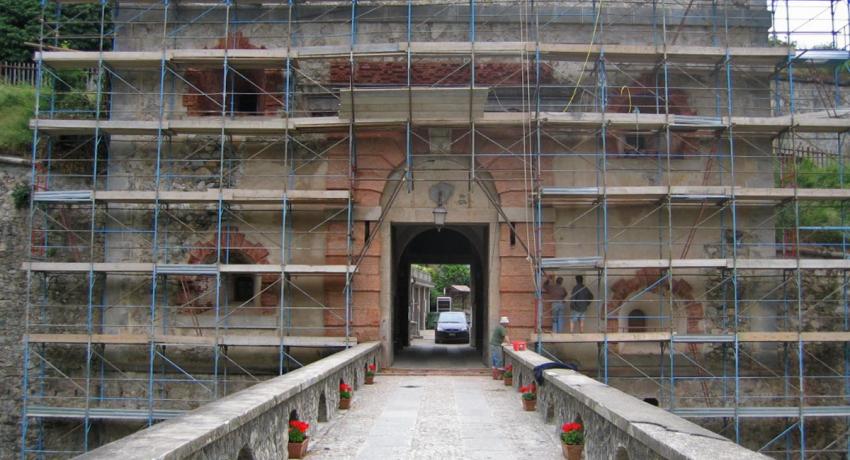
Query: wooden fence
[(18, 73)]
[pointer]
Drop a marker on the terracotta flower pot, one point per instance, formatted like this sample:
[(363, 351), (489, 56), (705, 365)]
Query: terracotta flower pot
[(509, 381), (529, 405), (370, 380), (572, 451), (298, 449), (345, 403)]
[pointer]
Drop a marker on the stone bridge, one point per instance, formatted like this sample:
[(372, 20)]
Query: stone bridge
[(424, 416)]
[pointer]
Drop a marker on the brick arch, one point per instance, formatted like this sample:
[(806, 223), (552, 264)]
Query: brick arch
[(645, 97), (643, 279), (234, 241)]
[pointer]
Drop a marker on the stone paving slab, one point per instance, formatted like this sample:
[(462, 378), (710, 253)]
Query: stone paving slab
[(436, 417)]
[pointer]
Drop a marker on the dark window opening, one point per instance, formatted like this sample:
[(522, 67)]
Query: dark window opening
[(513, 234), (637, 321), (244, 98), (243, 288), (636, 144), (366, 231), (245, 103)]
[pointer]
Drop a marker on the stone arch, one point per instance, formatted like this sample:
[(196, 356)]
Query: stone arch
[(549, 415), (650, 279), (324, 414), (622, 454), (245, 453), (190, 294)]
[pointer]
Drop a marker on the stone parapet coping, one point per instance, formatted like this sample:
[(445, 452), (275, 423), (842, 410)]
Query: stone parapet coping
[(666, 435), (185, 435)]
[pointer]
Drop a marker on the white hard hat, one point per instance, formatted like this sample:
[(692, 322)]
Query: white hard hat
[(504, 320)]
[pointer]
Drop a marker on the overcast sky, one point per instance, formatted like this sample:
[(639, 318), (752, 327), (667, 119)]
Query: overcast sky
[(811, 22)]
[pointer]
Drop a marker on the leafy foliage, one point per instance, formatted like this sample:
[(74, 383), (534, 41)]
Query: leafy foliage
[(820, 213), (18, 103), (20, 23), (445, 275), (21, 195)]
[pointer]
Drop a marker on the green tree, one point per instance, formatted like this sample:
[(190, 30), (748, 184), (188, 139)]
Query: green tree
[(445, 275), (78, 27)]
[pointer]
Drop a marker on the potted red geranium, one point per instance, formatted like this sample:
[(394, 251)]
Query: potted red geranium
[(529, 397), (298, 438), (344, 396), (508, 375), (572, 440), (497, 373), (370, 374)]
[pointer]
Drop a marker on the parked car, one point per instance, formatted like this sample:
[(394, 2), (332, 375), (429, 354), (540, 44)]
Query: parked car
[(452, 327)]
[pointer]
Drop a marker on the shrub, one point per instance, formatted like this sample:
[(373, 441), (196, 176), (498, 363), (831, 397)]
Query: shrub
[(298, 430), (18, 104), (529, 392), (571, 433), (21, 195), (344, 391)]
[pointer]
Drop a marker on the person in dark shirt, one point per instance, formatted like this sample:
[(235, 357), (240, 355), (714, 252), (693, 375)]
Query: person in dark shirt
[(580, 299)]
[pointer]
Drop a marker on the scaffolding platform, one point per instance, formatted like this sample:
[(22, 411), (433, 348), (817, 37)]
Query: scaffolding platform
[(223, 340), (764, 337), (684, 195), (725, 263), (101, 413), (236, 196), (270, 126), (184, 269), (275, 57)]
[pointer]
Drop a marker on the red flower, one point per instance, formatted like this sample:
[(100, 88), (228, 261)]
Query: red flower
[(344, 387), (509, 367), (526, 389), (299, 425), (372, 367), (567, 427)]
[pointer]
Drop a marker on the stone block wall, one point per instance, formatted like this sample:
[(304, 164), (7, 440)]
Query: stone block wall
[(255, 419), (617, 425)]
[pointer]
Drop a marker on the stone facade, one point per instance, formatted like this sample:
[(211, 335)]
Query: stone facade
[(13, 249)]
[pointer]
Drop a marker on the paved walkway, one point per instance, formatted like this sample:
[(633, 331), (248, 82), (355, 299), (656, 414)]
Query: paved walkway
[(436, 417), (425, 354)]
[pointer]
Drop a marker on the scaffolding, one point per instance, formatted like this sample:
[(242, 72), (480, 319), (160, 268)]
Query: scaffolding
[(195, 176)]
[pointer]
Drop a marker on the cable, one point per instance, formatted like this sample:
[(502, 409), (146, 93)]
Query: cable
[(587, 57)]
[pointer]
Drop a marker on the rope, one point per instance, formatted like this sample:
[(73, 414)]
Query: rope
[(587, 57)]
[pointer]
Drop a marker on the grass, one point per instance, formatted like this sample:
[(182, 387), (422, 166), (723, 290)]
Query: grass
[(18, 102)]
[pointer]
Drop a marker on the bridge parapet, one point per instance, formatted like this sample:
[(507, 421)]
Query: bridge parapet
[(616, 425), (253, 423)]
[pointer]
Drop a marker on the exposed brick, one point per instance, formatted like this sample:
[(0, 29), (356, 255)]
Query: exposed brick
[(434, 72)]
